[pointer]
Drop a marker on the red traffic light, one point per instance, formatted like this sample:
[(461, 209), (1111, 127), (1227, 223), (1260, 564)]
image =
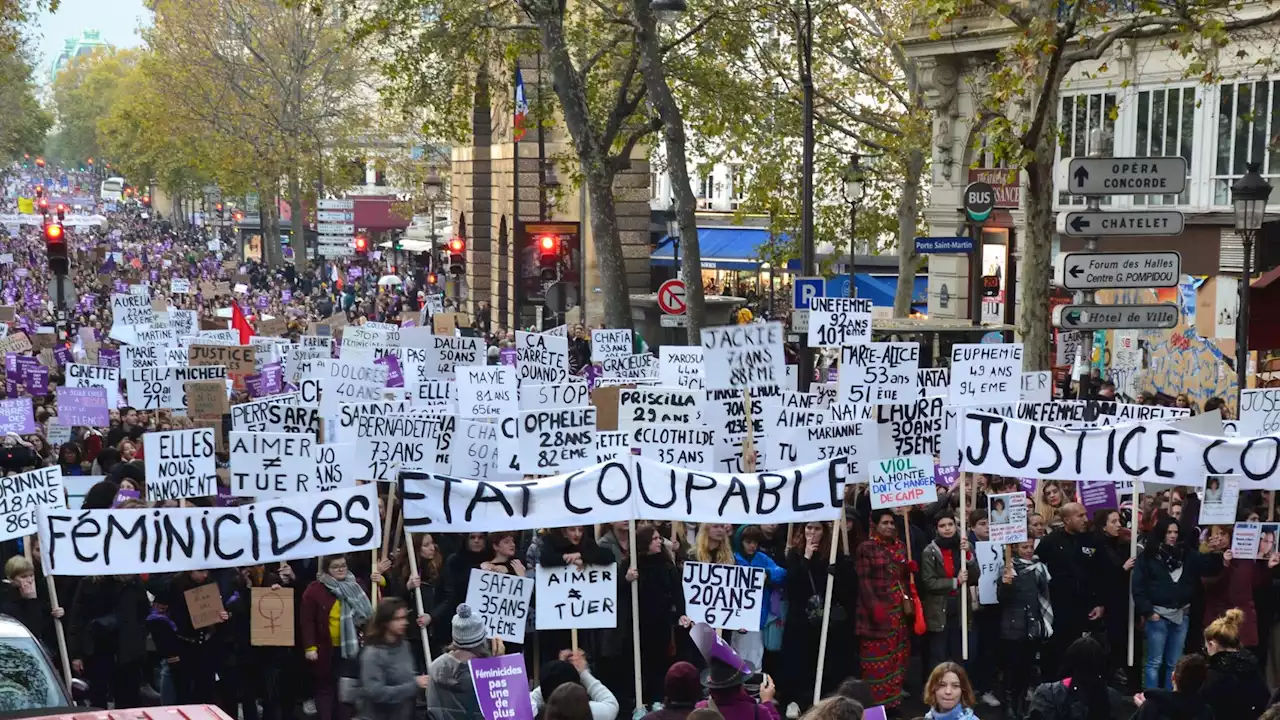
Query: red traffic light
[(237, 216), (44, 204), (548, 243), (432, 278), (62, 209), (457, 245), (362, 244), (53, 233), (90, 161), (39, 162), (39, 190)]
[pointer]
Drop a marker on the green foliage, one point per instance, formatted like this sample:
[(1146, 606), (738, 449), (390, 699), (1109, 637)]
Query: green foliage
[(82, 94), (23, 123)]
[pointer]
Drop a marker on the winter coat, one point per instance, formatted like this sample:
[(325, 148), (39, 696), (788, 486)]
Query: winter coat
[(109, 615), (1233, 588), (775, 575), (388, 682), (1153, 585), (1170, 705), (450, 694), (959, 712), (1020, 606), (1075, 563), (939, 594), (1054, 701), (604, 706), (1235, 687), (457, 577), (736, 704), (29, 611)]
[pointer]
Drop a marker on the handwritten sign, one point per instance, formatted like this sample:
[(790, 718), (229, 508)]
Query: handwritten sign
[(503, 602), (901, 481), (743, 357), (723, 596), (569, 597), (271, 617), (179, 464), (610, 343)]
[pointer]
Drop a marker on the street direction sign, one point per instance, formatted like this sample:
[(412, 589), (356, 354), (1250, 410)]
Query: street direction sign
[(1098, 271), (336, 204), (348, 216), (334, 239), (944, 245), (806, 289), (1094, 223), (1127, 176), (671, 297), (336, 228), (671, 321), (1116, 317), (336, 251)]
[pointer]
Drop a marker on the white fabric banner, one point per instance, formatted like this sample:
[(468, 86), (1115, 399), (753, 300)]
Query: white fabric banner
[(569, 597)]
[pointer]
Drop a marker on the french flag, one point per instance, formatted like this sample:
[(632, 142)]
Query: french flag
[(522, 106)]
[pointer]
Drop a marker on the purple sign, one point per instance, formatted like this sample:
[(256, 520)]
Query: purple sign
[(502, 687), (36, 378), (1098, 495), (593, 373), (946, 475), (108, 357), (124, 496), (408, 323), (120, 286), (1028, 485), (395, 376), (263, 302), (286, 296), (62, 354), (272, 378), (354, 273), (21, 272), (10, 374), (16, 416), (507, 356), (83, 406), (224, 498)]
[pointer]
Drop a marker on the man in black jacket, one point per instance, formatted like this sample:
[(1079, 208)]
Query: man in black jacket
[(1075, 567)]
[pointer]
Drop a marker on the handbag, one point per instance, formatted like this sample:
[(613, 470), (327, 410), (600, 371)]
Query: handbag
[(814, 606)]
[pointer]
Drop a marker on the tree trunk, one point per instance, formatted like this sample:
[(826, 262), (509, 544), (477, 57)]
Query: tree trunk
[(596, 170), (908, 212), (298, 224), (655, 78), (1036, 263)]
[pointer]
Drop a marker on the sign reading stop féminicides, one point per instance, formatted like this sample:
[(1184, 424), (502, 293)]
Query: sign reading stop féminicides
[(900, 481)]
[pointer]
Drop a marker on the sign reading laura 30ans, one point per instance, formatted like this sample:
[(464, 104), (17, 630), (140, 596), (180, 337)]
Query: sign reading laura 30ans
[(130, 542)]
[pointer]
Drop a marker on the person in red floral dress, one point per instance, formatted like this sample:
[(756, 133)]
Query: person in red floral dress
[(883, 571)]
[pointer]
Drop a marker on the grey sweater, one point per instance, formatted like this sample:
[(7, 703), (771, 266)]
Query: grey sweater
[(387, 679)]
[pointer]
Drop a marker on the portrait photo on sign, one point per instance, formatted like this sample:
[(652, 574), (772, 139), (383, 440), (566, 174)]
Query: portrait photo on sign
[(1007, 517), (1267, 540), (1221, 495)]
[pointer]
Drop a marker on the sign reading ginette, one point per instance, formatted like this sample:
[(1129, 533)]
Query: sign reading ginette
[(1112, 317), (1127, 176)]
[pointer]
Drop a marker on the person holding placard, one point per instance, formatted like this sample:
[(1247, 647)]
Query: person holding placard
[(946, 566), (571, 669), (107, 637), (401, 583), (200, 647), (1233, 587), (750, 645), (808, 573), (1026, 622), (1113, 543), (334, 610), (388, 681), (661, 605), (882, 570), (457, 571), (451, 692), (562, 547)]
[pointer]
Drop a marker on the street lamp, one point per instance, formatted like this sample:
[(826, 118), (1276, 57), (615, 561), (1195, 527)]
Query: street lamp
[(853, 195), (668, 11), (433, 188), (1249, 197), (673, 232)]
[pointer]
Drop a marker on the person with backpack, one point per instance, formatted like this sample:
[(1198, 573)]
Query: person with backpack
[(451, 694), (389, 683)]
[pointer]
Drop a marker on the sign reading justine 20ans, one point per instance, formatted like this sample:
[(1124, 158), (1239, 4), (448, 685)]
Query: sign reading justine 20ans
[(129, 542)]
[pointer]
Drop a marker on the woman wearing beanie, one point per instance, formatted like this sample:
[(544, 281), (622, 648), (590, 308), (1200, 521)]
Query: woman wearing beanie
[(1235, 687), (681, 690), (334, 610), (450, 693)]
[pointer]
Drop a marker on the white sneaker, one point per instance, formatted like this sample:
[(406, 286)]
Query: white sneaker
[(308, 707), (989, 700), (793, 711)]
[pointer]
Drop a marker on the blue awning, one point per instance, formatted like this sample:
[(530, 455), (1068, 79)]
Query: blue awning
[(880, 289), (723, 248)]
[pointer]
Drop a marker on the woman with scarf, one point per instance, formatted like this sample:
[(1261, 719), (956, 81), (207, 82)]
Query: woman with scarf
[(1026, 622), (882, 621), (946, 566), (1163, 585), (661, 604), (1113, 541), (334, 609)]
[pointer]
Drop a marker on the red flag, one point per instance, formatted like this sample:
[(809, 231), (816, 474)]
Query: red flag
[(239, 322)]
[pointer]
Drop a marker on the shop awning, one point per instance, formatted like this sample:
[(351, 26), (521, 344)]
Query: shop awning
[(723, 248), (880, 289)]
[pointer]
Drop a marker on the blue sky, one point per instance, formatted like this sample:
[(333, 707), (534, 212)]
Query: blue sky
[(117, 20)]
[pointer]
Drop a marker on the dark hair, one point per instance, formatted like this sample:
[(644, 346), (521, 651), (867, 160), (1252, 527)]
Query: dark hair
[(1099, 520), (855, 689), (379, 630), (878, 513), (101, 496), (329, 560), (752, 533), (977, 516), (946, 515), (569, 702), (1085, 663), (1156, 537), (494, 538), (1214, 403), (1190, 673), (555, 674)]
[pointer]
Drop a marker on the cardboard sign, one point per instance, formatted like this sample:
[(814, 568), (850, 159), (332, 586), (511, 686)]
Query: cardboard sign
[(444, 323), (205, 605), (275, 327), (15, 343), (237, 360), (271, 617), (206, 398), (610, 343), (8, 313)]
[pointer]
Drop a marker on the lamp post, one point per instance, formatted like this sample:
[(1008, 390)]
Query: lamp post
[(673, 232), (668, 11), (434, 187), (1249, 197), (853, 195)]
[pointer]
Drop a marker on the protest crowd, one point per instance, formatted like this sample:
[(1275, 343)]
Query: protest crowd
[(320, 494)]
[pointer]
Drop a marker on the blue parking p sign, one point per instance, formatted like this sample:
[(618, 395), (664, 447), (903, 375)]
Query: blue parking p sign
[(806, 289)]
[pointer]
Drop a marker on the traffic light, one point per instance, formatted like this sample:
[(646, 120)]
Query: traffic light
[(62, 212), (362, 244), (55, 239), (39, 191), (237, 216), (146, 200), (44, 205), (218, 207), (549, 256), (39, 162), (432, 278), (457, 255)]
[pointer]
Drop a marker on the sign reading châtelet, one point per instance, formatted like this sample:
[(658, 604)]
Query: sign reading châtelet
[(1118, 317), (1127, 176), (1094, 223), (1097, 271)]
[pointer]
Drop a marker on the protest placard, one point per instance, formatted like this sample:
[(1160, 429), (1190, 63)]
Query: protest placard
[(610, 343), (545, 397), (237, 360), (990, 557), (1007, 517), (743, 357), (1100, 495), (1259, 412), (179, 286), (642, 366), (333, 466), (204, 605), (542, 358), (271, 617), (688, 447), (271, 464), (986, 374), (884, 373), (611, 444), (502, 687), (658, 406), (206, 398), (1037, 386), (900, 481), (1244, 540), (179, 464), (839, 321), (388, 444), (913, 428), (723, 596), (8, 313), (16, 416), (277, 414), (15, 343), (571, 597), (22, 494), (680, 366), (1221, 496), (474, 450), (85, 406), (503, 602), (165, 387), (129, 312), (487, 391)]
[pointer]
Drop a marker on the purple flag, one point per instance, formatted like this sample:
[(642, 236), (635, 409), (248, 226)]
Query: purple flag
[(1028, 485), (395, 376), (16, 416), (83, 406), (502, 687)]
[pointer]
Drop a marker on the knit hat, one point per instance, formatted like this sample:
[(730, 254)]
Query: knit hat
[(682, 684), (468, 630)]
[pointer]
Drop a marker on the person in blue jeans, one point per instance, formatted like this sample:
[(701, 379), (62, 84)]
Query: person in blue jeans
[(1163, 580)]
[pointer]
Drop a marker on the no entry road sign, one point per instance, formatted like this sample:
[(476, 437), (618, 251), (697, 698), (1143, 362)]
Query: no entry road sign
[(671, 297)]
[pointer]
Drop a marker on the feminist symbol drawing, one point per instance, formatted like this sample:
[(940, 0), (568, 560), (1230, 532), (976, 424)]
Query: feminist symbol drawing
[(272, 617)]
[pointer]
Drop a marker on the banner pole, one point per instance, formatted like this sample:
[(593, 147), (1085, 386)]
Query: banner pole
[(573, 638), (635, 613), (417, 594), (386, 527), (748, 443), (964, 588), (1133, 553), (826, 610)]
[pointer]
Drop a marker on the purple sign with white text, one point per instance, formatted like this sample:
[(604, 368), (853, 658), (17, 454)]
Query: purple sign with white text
[(946, 475), (502, 687), (1098, 495), (16, 416), (83, 406), (395, 375)]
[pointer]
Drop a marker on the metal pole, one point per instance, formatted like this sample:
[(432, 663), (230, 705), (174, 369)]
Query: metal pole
[(975, 274), (807, 254), (1088, 297), (1242, 321), (542, 152), (852, 290), (516, 236)]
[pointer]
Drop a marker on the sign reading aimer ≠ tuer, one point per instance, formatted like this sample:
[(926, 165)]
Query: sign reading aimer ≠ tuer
[(583, 598)]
